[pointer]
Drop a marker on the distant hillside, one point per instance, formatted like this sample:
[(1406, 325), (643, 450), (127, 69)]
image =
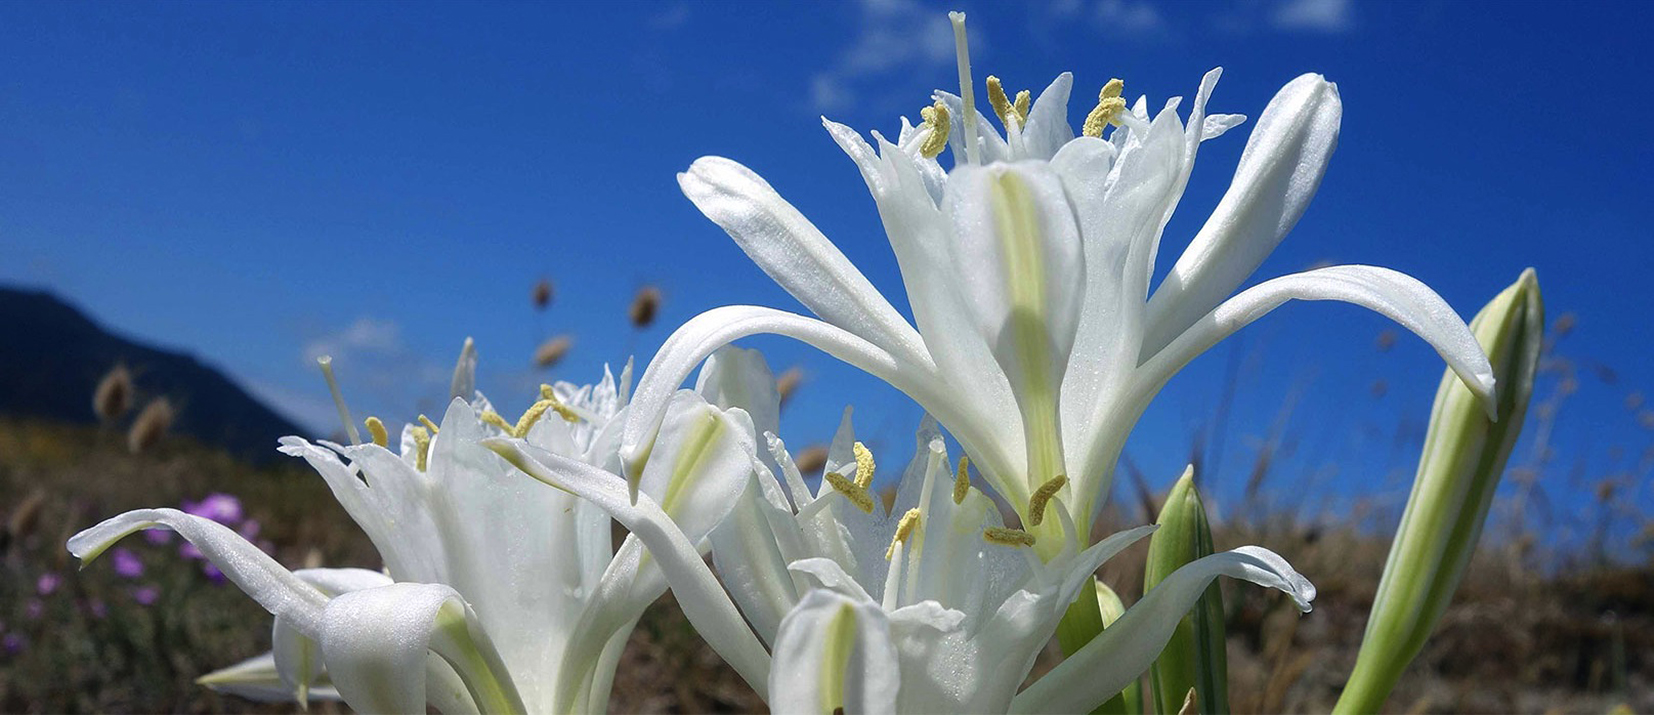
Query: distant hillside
[(52, 356)]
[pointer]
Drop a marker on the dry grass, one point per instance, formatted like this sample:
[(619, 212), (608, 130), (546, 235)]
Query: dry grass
[(1514, 641)]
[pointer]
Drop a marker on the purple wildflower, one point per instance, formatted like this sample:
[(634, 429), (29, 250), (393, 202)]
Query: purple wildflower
[(97, 608), (218, 506), (127, 564), (158, 537), (47, 583), (146, 595), (249, 529), (34, 609), (212, 572), (188, 551), (13, 643)]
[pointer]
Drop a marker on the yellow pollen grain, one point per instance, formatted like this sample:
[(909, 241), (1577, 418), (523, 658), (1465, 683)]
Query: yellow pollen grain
[(1001, 103), (1007, 537), (494, 418), (857, 495), (1025, 101), (864, 465), (904, 529), (422, 446), (428, 423), (546, 393), (962, 480), (936, 117), (1109, 106), (376, 428), (1042, 496)]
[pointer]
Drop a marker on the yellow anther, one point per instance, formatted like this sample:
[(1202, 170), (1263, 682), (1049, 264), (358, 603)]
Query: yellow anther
[(1025, 101), (377, 429), (422, 446), (1007, 537), (546, 393), (494, 418), (857, 495), (904, 528), (962, 480), (1003, 107), (864, 465), (1042, 496), (428, 423), (1109, 106), (936, 117)]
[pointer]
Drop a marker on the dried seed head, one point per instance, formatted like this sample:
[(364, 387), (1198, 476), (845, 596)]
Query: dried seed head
[(26, 517), (644, 307), (811, 459), (152, 424), (1386, 340), (1564, 324), (788, 383), (552, 351), (114, 394), (542, 294)]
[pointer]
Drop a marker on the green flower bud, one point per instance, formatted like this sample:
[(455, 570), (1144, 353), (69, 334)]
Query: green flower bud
[(1195, 657), (1464, 455), (1130, 700)]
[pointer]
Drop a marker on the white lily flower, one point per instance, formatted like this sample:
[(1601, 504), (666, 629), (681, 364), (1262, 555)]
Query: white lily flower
[(931, 607), (502, 595), (1036, 341)]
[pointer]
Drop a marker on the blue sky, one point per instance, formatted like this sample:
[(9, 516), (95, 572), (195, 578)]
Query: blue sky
[(255, 183)]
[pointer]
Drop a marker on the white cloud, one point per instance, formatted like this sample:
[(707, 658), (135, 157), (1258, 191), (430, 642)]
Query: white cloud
[(1130, 16), (379, 372), (892, 36), (1330, 16), (364, 335), (671, 17)]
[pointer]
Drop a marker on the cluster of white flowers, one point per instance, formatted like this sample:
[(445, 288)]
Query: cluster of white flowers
[(1037, 345)]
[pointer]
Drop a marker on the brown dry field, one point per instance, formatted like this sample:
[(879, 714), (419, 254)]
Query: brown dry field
[(1515, 639)]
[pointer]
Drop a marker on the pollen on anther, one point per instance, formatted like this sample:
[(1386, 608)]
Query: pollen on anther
[(936, 117), (904, 529), (376, 429), (864, 465), (494, 418), (1042, 496), (1007, 537), (422, 446), (1109, 106), (428, 424), (856, 494), (962, 480)]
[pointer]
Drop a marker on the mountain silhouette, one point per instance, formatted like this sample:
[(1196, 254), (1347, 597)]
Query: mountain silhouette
[(52, 356)]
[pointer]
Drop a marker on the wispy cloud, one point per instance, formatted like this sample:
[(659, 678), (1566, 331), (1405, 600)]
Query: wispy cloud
[(670, 17), (1131, 17), (1329, 16), (891, 36), (379, 371)]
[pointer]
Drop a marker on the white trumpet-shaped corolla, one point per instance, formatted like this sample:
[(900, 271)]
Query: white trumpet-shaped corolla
[(499, 593), (1036, 340), (931, 606)]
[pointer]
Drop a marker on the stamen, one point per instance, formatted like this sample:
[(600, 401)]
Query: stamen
[(1025, 101), (1109, 106), (428, 423), (864, 465), (856, 494), (962, 52), (962, 481), (537, 410), (494, 418), (376, 428), (422, 446), (936, 117), (1042, 496), (1007, 537), (904, 528), (546, 393), (1001, 103), (326, 363)]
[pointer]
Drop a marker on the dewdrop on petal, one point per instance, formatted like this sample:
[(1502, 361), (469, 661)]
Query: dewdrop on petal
[(113, 396), (152, 424), (552, 351), (644, 307)]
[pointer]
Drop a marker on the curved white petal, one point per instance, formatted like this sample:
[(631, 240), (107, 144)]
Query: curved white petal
[(376, 642), (295, 656), (739, 377), (750, 559), (253, 571), (1393, 294), (703, 600), (1125, 649), (695, 340), (834, 652), (257, 679), (700, 463), (1048, 128), (789, 248), (1279, 171)]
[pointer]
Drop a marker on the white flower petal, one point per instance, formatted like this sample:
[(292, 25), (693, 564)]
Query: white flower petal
[(738, 377), (1392, 294), (376, 644), (1048, 128), (750, 561), (253, 571), (789, 248), (1278, 174), (834, 652), (700, 463), (703, 599), (296, 657), (257, 679), (1125, 649)]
